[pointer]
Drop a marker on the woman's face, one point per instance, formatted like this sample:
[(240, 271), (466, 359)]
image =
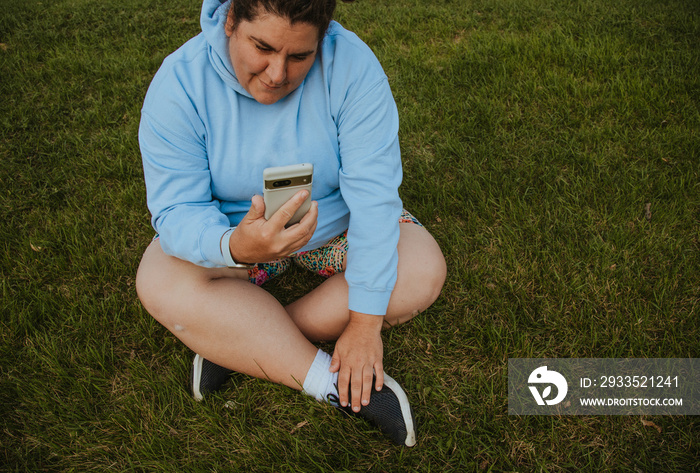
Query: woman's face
[(270, 56)]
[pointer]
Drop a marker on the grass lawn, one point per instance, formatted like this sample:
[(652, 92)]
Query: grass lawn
[(552, 148)]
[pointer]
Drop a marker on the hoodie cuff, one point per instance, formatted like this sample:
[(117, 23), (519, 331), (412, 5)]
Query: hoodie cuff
[(366, 301), (211, 245)]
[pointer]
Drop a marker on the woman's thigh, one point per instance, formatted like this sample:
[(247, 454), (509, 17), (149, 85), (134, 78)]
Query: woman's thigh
[(421, 274), (164, 281), (323, 313), (221, 315)]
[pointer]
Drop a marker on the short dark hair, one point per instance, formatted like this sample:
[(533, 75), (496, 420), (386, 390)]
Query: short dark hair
[(318, 13)]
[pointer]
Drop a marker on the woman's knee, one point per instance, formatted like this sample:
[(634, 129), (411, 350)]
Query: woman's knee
[(150, 285), (161, 281), (422, 268), (436, 272), (167, 285), (431, 275)]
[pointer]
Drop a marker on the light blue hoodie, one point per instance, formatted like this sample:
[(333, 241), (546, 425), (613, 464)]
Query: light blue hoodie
[(205, 142)]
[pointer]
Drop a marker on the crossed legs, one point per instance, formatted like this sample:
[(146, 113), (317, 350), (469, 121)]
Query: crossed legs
[(233, 323)]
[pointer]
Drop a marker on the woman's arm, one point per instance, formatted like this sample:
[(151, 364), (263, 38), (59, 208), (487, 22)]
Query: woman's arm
[(370, 176), (178, 183)]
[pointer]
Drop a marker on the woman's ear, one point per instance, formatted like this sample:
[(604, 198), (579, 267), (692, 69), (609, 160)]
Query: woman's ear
[(229, 24)]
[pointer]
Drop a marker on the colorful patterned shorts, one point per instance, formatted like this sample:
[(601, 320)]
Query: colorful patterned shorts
[(326, 260)]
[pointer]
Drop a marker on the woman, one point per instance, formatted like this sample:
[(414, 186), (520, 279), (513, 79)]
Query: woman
[(271, 83)]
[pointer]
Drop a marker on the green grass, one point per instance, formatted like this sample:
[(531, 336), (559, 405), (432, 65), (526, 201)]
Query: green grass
[(536, 135)]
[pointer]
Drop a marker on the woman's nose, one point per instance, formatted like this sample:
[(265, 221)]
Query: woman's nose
[(277, 71)]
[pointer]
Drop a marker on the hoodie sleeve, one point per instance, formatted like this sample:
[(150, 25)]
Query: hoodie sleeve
[(370, 176), (178, 182)]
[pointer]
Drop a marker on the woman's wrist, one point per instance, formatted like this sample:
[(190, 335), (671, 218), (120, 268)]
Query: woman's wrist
[(226, 252), (368, 321)]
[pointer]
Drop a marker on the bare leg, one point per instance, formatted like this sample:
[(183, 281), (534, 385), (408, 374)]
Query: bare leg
[(323, 313), (233, 323), (224, 318)]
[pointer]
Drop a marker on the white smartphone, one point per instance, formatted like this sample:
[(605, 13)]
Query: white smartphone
[(281, 183)]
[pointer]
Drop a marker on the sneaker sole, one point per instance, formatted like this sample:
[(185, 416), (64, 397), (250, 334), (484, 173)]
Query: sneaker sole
[(405, 409), (196, 377)]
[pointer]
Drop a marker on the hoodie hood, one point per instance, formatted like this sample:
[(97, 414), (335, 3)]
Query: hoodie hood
[(213, 22)]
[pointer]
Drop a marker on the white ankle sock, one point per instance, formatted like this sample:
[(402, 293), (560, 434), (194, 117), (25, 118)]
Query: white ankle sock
[(320, 382)]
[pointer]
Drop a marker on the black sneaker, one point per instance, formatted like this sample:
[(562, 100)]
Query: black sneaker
[(389, 410), (206, 377)]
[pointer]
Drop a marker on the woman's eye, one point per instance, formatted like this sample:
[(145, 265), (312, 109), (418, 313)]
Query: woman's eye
[(264, 49)]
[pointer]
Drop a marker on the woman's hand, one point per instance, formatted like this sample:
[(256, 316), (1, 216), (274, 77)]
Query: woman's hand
[(357, 358), (257, 240)]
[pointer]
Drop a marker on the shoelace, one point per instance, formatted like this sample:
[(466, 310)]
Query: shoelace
[(333, 399)]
